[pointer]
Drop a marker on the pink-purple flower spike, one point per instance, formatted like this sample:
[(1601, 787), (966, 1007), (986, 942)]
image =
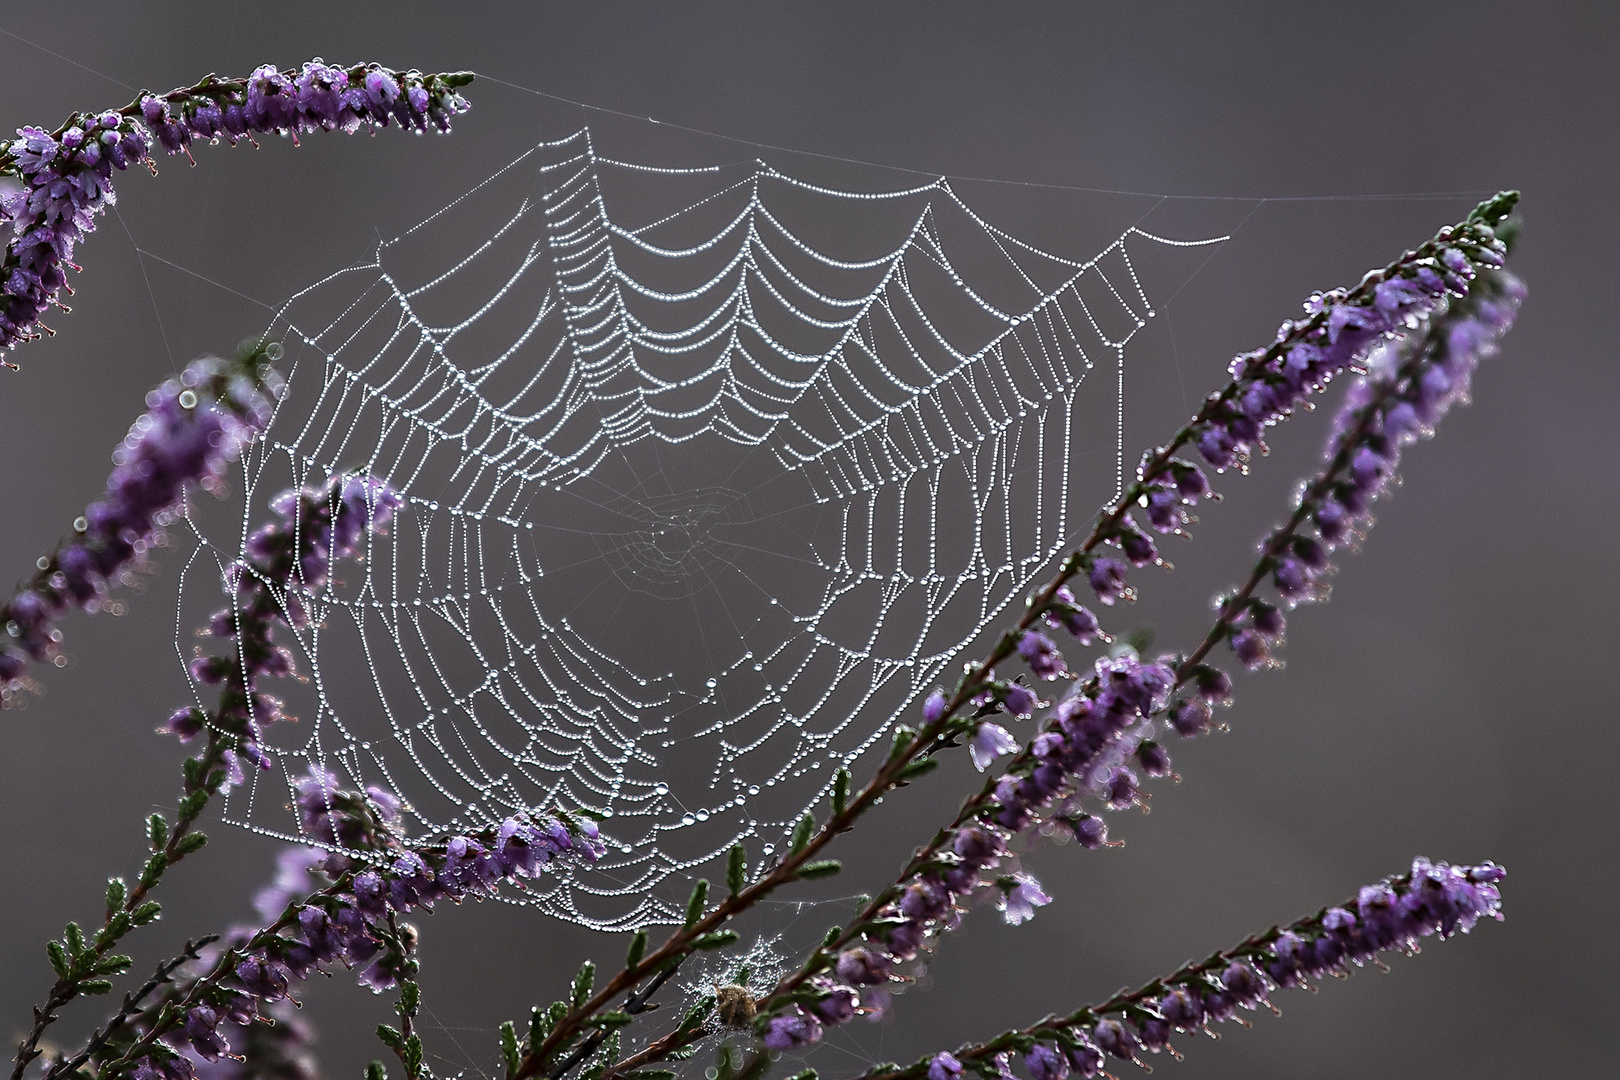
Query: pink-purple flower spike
[(67, 174)]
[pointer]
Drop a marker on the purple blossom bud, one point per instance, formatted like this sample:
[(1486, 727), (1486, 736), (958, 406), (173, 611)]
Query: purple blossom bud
[(1116, 1038), (944, 1066), (1107, 577), (1121, 789), (1019, 699), (988, 742), (860, 966), (791, 1030), (1183, 1009), (934, 707), (1087, 1060), (1021, 898), (1155, 760), (1251, 649), (1074, 618), (1042, 655), (1042, 1063)]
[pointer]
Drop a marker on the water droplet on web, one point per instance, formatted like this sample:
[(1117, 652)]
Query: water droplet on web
[(711, 684), (687, 819), (661, 789), (753, 789)]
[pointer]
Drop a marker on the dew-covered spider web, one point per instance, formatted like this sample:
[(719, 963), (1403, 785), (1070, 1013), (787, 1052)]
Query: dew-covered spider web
[(710, 474)]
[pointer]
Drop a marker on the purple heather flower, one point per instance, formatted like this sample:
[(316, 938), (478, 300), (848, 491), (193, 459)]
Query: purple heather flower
[(1155, 760), (194, 427), (934, 707), (944, 1066), (1115, 1037), (790, 1030), (1041, 653), (1121, 789), (861, 966), (1251, 649), (1107, 577), (1075, 619), (1020, 899), (1019, 699), (1042, 1063), (1086, 1059), (988, 742)]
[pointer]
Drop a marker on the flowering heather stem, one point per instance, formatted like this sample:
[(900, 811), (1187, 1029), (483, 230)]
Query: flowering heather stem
[(1432, 899), (1405, 394), (132, 1007), (195, 427), (1096, 726), (67, 174), (1340, 328)]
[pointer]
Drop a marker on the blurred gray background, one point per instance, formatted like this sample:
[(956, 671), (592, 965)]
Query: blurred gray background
[(1451, 701)]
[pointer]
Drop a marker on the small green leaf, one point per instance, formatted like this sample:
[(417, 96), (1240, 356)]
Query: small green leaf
[(146, 912), (391, 1038), (192, 805), (558, 1011), (823, 868), (59, 958), (116, 891), (840, 792), (638, 949), (685, 1053), (913, 769), (698, 901), (611, 1020), (583, 983), (376, 1071), (192, 769), (902, 739), (157, 831), (412, 1055), (153, 870), (509, 1047), (539, 1028), (189, 843), (95, 986), (717, 940), (112, 965), (75, 940), (832, 935), (802, 833), (410, 996), (698, 1013), (736, 869)]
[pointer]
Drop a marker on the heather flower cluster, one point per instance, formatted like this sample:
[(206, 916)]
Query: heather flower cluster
[(1341, 329), (1432, 900), (287, 559), (195, 426), (326, 907), (66, 175), (1081, 752), (1409, 386)]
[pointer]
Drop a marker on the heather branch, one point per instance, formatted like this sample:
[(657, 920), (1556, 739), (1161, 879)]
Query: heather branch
[(1430, 899), (912, 750), (132, 1007), (1188, 669)]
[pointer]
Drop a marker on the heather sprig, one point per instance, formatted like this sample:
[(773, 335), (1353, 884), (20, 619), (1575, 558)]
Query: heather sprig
[(1430, 900), (195, 427), (66, 174), (1408, 387), (1088, 743)]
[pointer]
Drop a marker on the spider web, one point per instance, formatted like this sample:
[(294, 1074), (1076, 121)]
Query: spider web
[(710, 473)]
